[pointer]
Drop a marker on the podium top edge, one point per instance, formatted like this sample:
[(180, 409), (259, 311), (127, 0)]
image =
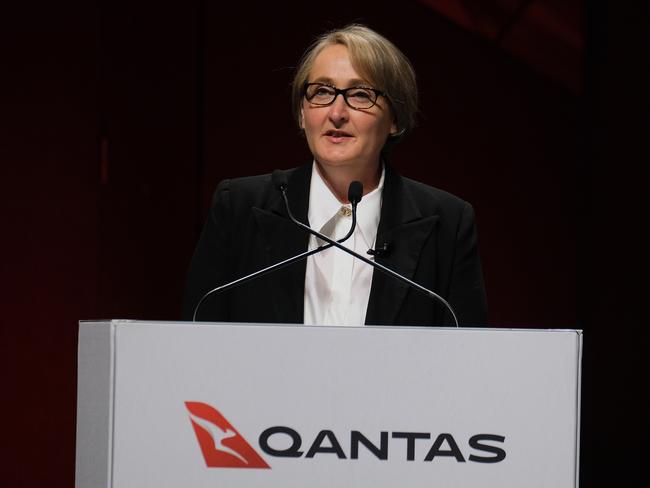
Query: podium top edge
[(126, 322)]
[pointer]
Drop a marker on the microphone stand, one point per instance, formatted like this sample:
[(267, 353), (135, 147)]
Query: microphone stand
[(431, 294)]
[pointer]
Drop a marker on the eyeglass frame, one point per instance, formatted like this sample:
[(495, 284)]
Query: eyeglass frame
[(344, 91)]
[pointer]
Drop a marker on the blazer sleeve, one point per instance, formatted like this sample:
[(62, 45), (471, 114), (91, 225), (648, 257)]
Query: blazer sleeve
[(209, 267), (467, 288)]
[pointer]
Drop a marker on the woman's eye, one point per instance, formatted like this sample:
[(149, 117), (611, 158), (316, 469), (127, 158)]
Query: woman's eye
[(360, 94), (321, 93)]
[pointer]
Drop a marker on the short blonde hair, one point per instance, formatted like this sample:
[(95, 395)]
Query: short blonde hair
[(376, 59)]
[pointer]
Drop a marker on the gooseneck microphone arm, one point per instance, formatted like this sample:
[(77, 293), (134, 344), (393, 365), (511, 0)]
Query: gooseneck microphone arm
[(354, 195), (281, 184)]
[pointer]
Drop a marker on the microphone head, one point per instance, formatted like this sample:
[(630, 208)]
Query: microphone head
[(279, 180), (355, 192)]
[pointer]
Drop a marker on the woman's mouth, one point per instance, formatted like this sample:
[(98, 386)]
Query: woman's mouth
[(337, 136)]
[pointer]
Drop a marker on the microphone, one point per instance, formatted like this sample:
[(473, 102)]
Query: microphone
[(282, 187), (279, 180), (381, 250)]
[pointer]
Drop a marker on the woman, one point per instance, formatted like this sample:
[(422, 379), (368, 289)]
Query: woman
[(354, 95)]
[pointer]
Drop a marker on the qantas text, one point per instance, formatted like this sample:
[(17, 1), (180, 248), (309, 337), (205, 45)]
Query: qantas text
[(411, 446)]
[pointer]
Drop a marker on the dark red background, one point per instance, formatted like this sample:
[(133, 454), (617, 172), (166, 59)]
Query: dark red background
[(119, 118)]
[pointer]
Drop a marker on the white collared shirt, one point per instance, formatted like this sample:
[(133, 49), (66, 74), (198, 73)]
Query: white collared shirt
[(337, 285)]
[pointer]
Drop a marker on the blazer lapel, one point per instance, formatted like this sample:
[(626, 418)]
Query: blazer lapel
[(283, 239), (404, 228)]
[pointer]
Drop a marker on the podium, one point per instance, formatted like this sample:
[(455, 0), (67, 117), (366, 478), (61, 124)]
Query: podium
[(170, 404)]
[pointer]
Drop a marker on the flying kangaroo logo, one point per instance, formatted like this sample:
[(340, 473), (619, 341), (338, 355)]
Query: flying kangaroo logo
[(221, 444)]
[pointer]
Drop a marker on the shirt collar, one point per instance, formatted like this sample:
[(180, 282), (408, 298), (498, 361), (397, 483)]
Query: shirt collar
[(323, 204)]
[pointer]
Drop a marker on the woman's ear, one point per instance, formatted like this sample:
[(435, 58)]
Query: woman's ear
[(393, 127), (301, 122)]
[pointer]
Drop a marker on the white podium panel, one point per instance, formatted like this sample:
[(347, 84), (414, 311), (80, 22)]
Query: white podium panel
[(237, 405)]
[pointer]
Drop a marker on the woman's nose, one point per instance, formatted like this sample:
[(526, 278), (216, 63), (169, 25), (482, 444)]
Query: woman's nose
[(339, 110)]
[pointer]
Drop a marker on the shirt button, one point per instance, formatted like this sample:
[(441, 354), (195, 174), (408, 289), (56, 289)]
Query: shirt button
[(345, 212)]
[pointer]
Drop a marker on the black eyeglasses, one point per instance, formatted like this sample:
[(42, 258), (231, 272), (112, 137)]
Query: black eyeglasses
[(358, 97)]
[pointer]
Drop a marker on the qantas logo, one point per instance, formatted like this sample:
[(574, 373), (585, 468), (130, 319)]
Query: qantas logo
[(221, 444), (224, 447)]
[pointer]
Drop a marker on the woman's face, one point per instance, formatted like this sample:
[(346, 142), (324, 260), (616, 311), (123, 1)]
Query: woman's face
[(338, 135)]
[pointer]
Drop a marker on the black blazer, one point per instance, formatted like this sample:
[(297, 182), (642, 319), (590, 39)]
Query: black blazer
[(431, 236)]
